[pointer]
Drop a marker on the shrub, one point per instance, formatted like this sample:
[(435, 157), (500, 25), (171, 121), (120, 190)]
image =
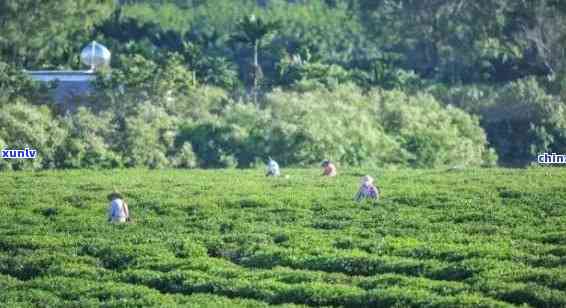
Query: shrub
[(15, 297), (26, 126), (431, 135), (148, 137), (201, 103), (471, 98), (520, 119), (305, 128), (137, 79), (89, 140), (524, 121), (309, 76), (382, 128), (212, 143), (187, 249), (385, 127), (7, 281), (15, 84), (185, 157)]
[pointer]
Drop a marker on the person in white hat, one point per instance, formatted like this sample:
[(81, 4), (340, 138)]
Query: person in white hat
[(367, 190)]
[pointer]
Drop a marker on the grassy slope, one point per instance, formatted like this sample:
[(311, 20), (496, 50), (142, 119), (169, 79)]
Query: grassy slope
[(226, 238)]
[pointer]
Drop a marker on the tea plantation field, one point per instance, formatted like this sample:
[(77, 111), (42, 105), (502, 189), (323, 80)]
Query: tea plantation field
[(232, 238)]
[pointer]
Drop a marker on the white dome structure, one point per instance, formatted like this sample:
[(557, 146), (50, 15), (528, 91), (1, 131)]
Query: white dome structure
[(72, 87), (95, 55)]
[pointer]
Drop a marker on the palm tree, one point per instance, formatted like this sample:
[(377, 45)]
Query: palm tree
[(252, 31)]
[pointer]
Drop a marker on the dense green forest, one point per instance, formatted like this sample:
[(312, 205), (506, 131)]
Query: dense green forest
[(215, 83)]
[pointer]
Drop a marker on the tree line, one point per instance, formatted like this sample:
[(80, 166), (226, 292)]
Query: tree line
[(226, 83)]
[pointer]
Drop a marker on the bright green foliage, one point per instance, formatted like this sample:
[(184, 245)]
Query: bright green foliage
[(340, 125), (381, 128), (141, 79), (432, 135), (185, 157), (204, 127), (304, 76), (232, 238), (89, 140), (16, 84), (25, 126), (210, 15), (148, 137)]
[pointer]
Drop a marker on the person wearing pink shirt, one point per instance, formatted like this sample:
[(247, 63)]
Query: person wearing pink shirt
[(328, 168)]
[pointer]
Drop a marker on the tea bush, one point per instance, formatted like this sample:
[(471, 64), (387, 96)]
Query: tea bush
[(437, 238)]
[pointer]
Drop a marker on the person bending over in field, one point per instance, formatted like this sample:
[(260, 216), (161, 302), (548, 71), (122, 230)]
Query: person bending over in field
[(272, 168), (328, 168), (118, 209), (367, 189)]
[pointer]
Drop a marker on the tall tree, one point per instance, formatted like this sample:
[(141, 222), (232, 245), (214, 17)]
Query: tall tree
[(252, 30), (543, 28), (48, 33), (450, 41)]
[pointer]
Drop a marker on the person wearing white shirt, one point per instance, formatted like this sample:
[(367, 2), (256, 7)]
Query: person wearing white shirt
[(272, 168), (118, 209)]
